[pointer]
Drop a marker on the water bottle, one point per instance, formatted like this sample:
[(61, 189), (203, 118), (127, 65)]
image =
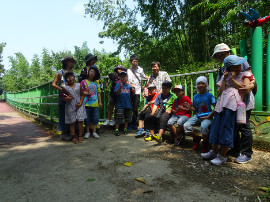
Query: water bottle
[(241, 113)]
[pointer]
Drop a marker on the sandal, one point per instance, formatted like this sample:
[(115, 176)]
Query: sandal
[(74, 139), (80, 139)]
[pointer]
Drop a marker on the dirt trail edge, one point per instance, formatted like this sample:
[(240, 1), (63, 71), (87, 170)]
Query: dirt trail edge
[(38, 167)]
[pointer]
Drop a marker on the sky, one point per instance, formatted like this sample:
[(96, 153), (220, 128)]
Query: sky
[(28, 26)]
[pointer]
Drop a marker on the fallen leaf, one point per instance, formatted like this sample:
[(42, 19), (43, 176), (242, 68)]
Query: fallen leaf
[(128, 164), (268, 118), (140, 179), (90, 179)]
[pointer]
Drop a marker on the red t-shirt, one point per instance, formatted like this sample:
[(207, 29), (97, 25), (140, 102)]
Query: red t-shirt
[(182, 102)]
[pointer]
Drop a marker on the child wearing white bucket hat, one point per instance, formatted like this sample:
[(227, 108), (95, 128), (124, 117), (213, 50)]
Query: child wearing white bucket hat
[(203, 113)]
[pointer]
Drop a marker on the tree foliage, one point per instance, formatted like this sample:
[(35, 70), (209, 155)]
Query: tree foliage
[(2, 45)]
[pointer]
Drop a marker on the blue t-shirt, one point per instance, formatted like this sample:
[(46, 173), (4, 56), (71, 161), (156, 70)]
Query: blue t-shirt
[(203, 102), (124, 98)]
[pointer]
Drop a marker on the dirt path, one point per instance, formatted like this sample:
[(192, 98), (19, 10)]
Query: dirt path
[(38, 167)]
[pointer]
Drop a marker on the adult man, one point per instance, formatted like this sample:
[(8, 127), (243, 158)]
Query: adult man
[(135, 75), (242, 146)]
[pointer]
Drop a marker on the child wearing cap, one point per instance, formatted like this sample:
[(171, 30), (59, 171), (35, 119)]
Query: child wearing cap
[(92, 100), (222, 129), (90, 61), (203, 113), (112, 100), (180, 112), (150, 101), (123, 92)]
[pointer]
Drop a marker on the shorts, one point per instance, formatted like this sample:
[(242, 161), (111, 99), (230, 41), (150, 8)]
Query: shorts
[(124, 114), (193, 121), (92, 114), (180, 120)]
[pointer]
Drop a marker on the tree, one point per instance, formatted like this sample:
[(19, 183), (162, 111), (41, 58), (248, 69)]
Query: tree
[(2, 45)]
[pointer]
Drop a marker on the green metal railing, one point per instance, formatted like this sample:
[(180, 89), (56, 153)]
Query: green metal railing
[(42, 101)]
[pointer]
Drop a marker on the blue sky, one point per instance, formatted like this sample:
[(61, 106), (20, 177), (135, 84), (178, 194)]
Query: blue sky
[(28, 26)]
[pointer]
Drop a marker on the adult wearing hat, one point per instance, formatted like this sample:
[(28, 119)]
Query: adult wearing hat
[(242, 146), (58, 83), (114, 77), (90, 61), (150, 101)]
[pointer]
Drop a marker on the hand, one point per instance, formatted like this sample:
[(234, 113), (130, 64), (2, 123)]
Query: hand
[(68, 98), (100, 105), (233, 75), (84, 73), (78, 105), (152, 114), (204, 117), (245, 90), (168, 111), (188, 106)]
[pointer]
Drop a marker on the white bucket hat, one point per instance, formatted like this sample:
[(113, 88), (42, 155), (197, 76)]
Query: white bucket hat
[(204, 80), (222, 47)]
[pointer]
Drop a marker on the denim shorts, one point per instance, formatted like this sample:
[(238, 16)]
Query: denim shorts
[(180, 120), (92, 115), (193, 121), (222, 129)]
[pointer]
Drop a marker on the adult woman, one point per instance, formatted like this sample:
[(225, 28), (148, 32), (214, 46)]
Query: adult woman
[(58, 82)]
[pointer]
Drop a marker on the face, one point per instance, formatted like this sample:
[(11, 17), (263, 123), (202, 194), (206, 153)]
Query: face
[(165, 90), (201, 86), (92, 62), (155, 69), (70, 79), (124, 78), (179, 93), (236, 69), (134, 63), (152, 91), (91, 74), (222, 55), (70, 64), (119, 70)]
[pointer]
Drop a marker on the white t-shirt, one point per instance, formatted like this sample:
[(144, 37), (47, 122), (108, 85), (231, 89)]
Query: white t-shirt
[(133, 80)]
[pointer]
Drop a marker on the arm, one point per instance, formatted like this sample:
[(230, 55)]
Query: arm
[(223, 83), (118, 91), (78, 105), (99, 100), (56, 79), (154, 110), (236, 83)]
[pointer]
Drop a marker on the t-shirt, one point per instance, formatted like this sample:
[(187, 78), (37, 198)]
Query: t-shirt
[(133, 80), (203, 102), (94, 87), (151, 98), (168, 101), (178, 102), (124, 98)]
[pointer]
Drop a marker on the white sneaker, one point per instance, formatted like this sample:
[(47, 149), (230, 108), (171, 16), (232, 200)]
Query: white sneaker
[(113, 123), (209, 155), (106, 122), (86, 136), (95, 135), (219, 160)]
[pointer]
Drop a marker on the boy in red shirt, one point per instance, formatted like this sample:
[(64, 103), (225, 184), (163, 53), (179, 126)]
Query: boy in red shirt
[(180, 113)]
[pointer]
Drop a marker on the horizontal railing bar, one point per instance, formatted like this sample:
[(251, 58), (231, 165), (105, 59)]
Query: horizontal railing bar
[(55, 95), (194, 73)]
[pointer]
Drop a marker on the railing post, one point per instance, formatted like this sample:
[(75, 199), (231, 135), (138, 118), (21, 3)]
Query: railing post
[(50, 101), (104, 99), (212, 83), (191, 89)]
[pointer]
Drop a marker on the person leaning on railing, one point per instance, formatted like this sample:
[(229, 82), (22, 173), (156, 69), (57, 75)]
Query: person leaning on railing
[(58, 83)]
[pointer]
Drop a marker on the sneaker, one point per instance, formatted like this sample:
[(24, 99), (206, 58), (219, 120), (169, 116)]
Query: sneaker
[(106, 122), (125, 131), (219, 160), (148, 138), (86, 136), (196, 142), (205, 147), (113, 122), (95, 135), (157, 138), (140, 133), (209, 155), (242, 159), (116, 132)]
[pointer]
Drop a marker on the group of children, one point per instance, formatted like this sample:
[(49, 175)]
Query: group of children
[(162, 109)]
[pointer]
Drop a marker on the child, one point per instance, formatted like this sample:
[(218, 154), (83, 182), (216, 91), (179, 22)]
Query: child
[(112, 100), (222, 129), (180, 113), (203, 113), (163, 103), (92, 100), (73, 108), (150, 100), (90, 61), (124, 107), (58, 83)]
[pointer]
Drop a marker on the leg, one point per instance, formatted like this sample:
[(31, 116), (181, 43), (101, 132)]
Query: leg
[(72, 132), (135, 104), (80, 131), (87, 122), (95, 120), (205, 125), (224, 151)]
